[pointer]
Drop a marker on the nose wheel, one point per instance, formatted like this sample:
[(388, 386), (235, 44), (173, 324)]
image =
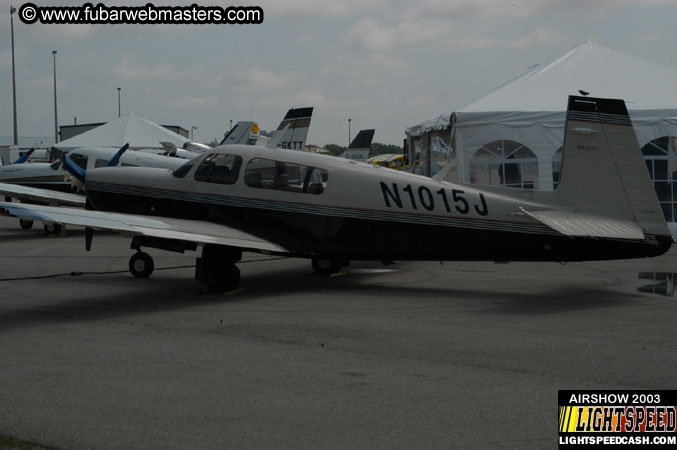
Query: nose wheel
[(25, 224), (141, 265)]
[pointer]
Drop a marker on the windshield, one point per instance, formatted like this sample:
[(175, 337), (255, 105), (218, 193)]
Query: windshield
[(184, 169)]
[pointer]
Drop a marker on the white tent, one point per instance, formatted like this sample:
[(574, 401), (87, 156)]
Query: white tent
[(530, 108), (130, 128), (511, 135)]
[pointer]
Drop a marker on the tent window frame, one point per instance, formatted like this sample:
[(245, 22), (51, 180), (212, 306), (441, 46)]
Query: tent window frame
[(500, 157)]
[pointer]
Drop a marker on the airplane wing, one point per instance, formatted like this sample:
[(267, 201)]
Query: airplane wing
[(196, 231), (576, 224), (41, 195)]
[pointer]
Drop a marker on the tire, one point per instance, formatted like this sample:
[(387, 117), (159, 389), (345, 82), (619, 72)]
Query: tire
[(228, 281), (26, 224), (325, 266), (141, 265), (53, 228)]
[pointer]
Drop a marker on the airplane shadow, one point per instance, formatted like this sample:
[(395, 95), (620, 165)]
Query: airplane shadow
[(175, 290)]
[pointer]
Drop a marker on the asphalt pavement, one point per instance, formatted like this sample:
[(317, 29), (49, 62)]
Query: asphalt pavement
[(413, 355)]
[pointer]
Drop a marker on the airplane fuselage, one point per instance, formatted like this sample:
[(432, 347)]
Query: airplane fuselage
[(353, 211)]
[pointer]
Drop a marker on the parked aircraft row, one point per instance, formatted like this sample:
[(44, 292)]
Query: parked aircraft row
[(293, 131), (239, 198)]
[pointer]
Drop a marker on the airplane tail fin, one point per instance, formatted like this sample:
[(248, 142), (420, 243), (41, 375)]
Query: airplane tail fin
[(245, 133), (603, 171), (359, 149), (293, 130)]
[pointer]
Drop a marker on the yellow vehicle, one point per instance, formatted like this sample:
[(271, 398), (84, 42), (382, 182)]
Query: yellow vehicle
[(389, 160)]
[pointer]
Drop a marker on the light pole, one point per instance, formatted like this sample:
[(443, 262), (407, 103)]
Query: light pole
[(119, 89), (56, 117), (191, 132), (11, 21), (231, 124), (348, 132)]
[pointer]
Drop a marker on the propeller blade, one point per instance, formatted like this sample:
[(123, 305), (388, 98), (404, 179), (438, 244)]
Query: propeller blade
[(116, 158), (69, 166), (24, 157)]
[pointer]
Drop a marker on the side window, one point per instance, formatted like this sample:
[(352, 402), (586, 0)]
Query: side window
[(219, 168), (78, 159), (128, 165), (100, 163), (285, 176)]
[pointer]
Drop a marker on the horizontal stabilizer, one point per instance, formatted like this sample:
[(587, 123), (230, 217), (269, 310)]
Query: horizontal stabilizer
[(163, 227), (575, 224)]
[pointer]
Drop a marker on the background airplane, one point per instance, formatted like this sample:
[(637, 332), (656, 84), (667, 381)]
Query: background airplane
[(359, 149)]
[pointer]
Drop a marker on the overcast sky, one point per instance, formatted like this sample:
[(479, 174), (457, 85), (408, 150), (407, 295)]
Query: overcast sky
[(385, 64)]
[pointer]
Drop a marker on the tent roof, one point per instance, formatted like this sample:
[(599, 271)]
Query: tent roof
[(601, 71), (130, 128)]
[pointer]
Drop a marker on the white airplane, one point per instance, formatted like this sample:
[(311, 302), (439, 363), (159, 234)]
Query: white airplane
[(333, 210), (49, 175), (359, 149)]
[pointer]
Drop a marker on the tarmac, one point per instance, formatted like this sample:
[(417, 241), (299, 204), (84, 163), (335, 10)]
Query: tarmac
[(412, 355)]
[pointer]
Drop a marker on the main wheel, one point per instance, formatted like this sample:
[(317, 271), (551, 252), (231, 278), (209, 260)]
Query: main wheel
[(228, 280), (53, 228), (141, 265), (325, 266), (26, 224)]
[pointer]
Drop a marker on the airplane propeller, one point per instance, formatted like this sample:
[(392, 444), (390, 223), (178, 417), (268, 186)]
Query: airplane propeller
[(69, 166), (24, 157), (116, 158)]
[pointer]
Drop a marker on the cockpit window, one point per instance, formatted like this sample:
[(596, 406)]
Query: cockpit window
[(183, 170), (285, 176), (219, 168), (80, 160)]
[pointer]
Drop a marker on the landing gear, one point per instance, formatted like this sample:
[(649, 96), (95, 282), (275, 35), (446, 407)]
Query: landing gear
[(53, 228), (25, 224), (141, 265), (217, 267), (229, 280), (326, 266)]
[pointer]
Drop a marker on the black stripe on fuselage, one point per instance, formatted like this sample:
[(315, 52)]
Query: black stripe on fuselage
[(411, 218), (308, 230)]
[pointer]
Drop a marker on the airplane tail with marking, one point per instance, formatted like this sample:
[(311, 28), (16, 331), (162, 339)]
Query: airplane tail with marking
[(293, 130), (359, 149), (604, 183)]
